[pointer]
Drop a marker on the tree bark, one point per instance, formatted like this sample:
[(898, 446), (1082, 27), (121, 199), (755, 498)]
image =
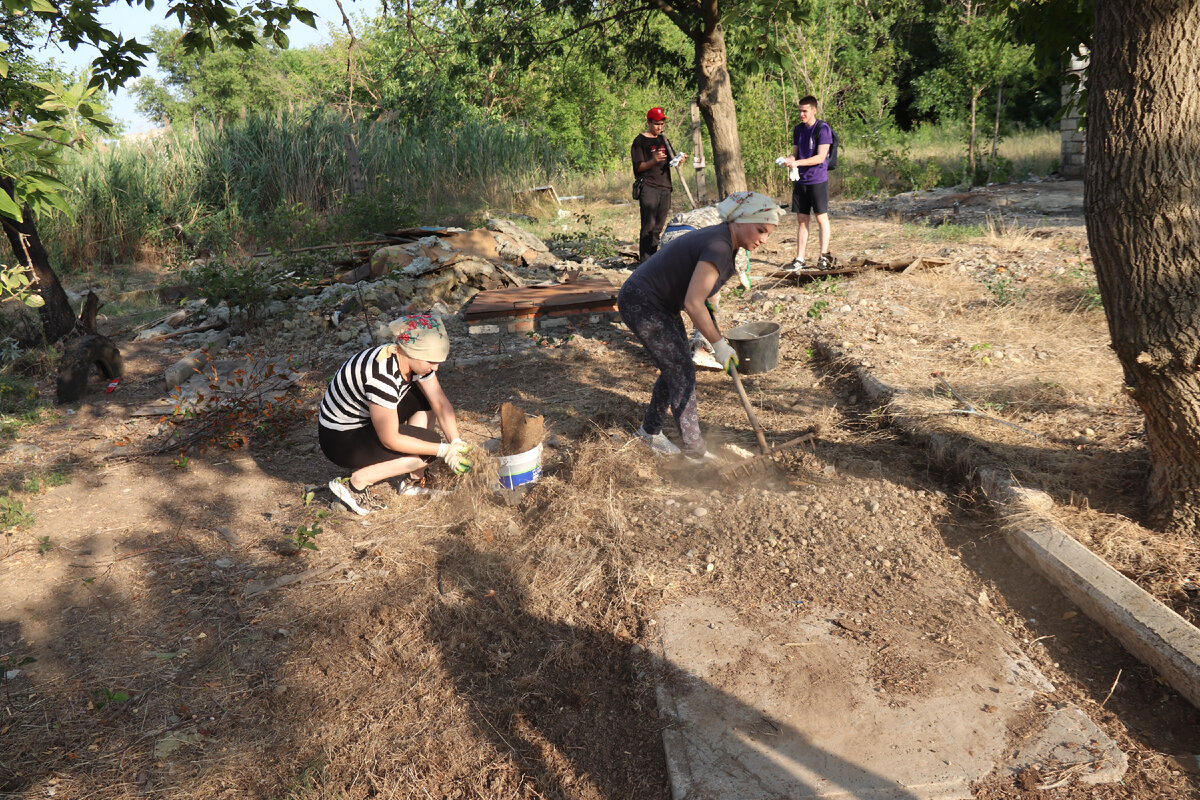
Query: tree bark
[(56, 315), (1142, 205), (717, 107)]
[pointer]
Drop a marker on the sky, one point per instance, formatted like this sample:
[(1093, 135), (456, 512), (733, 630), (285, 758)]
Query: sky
[(135, 22)]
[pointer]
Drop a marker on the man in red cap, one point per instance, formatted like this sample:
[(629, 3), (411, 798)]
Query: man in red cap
[(651, 155)]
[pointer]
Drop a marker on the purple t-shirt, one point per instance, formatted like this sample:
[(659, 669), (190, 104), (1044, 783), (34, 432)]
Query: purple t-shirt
[(665, 276), (806, 140)]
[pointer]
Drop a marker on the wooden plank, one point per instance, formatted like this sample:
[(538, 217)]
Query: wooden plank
[(537, 300)]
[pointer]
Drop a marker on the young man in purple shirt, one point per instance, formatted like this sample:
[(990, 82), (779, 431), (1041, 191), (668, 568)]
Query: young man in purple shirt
[(811, 140)]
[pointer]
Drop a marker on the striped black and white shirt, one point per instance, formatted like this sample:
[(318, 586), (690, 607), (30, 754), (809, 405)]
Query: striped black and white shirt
[(362, 380)]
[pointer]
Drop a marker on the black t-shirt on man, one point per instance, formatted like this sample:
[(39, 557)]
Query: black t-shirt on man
[(643, 149)]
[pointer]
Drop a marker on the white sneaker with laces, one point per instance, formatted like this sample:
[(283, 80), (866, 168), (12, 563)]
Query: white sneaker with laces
[(797, 265), (703, 459), (659, 443), (342, 490)]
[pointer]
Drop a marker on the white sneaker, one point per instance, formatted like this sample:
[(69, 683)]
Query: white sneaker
[(659, 443), (796, 266), (703, 459), (406, 489), (358, 501)]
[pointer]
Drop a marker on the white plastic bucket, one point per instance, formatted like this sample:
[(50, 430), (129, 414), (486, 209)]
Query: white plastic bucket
[(521, 468)]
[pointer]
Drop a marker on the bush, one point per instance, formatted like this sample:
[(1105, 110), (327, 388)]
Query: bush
[(244, 284), (17, 396)]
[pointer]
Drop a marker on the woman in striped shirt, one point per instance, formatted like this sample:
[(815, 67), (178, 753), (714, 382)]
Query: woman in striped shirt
[(378, 413)]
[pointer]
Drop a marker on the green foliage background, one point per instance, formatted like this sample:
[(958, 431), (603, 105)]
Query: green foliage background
[(449, 117)]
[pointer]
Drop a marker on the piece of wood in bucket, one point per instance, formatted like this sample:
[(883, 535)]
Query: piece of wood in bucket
[(519, 432)]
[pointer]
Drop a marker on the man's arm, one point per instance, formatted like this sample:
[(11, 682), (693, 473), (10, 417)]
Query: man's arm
[(822, 154)]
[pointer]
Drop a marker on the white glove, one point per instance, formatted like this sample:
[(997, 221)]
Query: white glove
[(794, 174), (781, 160), (456, 455), (725, 355)]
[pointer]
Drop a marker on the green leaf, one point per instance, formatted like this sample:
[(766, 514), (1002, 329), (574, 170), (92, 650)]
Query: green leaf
[(35, 301), (8, 207)]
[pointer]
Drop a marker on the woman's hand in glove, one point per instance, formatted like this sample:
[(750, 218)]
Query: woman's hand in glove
[(456, 454), (725, 355)]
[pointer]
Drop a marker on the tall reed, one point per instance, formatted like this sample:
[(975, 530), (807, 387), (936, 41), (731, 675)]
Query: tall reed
[(212, 185)]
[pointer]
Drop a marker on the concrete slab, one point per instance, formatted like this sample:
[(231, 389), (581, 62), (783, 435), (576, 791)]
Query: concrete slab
[(1153, 633), (812, 708)]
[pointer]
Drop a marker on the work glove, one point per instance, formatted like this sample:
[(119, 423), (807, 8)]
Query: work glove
[(456, 455), (725, 355)]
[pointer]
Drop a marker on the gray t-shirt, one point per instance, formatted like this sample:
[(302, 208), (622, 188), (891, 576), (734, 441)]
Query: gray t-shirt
[(665, 276)]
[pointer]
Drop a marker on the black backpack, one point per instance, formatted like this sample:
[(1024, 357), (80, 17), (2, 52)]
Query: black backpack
[(831, 159)]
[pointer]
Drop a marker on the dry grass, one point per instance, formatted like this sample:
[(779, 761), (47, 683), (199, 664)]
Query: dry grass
[(1011, 326)]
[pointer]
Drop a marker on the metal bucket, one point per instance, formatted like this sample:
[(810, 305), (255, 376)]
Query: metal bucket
[(756, 345)]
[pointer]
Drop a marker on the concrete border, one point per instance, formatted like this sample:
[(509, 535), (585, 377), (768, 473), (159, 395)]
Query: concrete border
[(1151, 632)]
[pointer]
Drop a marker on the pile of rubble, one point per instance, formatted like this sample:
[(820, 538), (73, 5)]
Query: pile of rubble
[(440, 272)]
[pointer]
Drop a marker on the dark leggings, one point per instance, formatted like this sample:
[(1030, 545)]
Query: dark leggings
[(665, 339), (360, 447), (656, 208)]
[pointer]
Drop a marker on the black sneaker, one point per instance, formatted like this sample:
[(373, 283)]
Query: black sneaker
[(797, 265), (825, 261), (360, 501)]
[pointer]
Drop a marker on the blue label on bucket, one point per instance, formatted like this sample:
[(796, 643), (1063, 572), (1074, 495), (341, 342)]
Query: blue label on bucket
[(513, 481)]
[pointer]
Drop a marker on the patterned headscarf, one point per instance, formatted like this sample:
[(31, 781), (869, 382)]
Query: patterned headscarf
[(421, 336), (749, 207)]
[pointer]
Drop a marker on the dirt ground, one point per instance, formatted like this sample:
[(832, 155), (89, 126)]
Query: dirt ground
[(481, 646)]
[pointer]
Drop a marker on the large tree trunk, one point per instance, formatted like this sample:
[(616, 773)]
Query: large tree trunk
[(56, 315), (1142, 204), (716, 105)]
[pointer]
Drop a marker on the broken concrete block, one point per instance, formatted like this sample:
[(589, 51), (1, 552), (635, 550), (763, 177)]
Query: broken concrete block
[(178, 373), (520, 235)]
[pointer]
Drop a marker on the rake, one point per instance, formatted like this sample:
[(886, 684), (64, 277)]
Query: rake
[(760, 462)]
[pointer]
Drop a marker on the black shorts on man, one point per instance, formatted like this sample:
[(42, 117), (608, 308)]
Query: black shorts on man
[(810, 198)]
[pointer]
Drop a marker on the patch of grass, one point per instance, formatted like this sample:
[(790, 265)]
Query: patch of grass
[(13, 514), (37, 483), (1086, 278), (593, 241), (949, 232), (830, 284), (817, 309), (1004, 288), (11, 424), (17, 396)]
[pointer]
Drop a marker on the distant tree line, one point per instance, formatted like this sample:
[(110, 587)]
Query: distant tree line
[(880, 68)]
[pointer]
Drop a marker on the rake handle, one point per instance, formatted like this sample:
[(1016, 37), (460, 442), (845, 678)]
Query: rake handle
[(758, 432)]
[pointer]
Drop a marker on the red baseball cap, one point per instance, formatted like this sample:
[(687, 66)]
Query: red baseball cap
[(656, 114)]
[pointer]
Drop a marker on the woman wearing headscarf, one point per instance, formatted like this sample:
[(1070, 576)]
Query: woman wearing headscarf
[(378, 413), (682, 276)]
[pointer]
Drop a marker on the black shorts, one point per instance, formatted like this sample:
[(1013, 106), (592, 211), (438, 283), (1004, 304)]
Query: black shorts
[(810, 198), (360, 447)]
